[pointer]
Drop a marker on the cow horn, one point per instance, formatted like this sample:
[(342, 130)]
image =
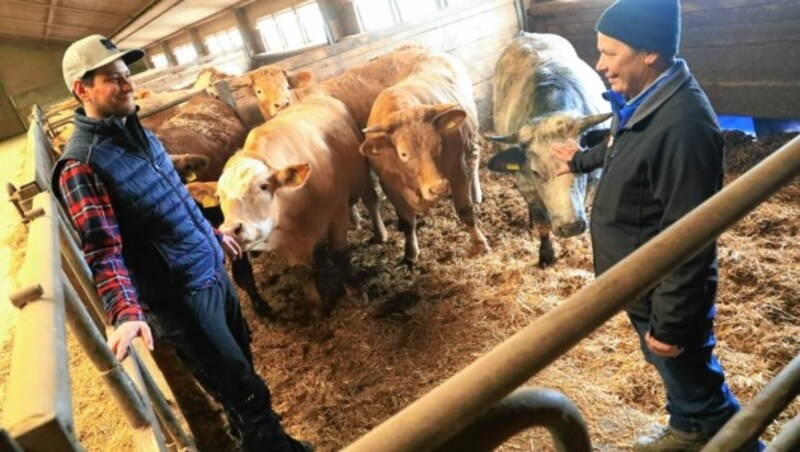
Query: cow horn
[(592, 120), (378, 128), (510, 138)]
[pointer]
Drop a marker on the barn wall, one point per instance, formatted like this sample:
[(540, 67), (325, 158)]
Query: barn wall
[(28, 74), (745, 53), (474, 33)]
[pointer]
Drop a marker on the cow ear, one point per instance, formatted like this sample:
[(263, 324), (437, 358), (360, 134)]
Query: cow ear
[(293, 176), (449, 121), (299, 79), (374, 145), (508, 161)]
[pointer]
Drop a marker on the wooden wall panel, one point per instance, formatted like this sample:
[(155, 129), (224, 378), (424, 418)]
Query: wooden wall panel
[(745, 53)]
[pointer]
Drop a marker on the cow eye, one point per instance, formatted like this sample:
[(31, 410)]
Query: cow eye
[(259, 92), (264, 186)]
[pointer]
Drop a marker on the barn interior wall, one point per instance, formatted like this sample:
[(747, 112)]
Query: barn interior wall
[(745, 54), (29, 74), (475, 34)]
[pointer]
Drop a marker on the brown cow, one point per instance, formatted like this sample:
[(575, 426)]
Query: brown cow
[(277, 88), (293, 185), (420, 138), (206, 126)]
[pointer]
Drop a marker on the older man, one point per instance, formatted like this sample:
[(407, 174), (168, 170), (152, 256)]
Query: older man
[(663, 159), (148, 245)]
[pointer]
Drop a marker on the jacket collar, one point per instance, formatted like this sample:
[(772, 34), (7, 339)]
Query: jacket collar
[(112, 126), (677, 75)]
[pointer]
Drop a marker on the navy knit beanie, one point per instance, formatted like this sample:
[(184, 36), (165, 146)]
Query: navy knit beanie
[(653, 25)]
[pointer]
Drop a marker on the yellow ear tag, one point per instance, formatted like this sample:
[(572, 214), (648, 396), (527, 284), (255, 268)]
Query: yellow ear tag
[(209, 201), (191, 177), (512, 166)]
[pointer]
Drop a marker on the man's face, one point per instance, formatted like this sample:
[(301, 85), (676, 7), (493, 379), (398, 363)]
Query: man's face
[(111, 94), (625, 69)]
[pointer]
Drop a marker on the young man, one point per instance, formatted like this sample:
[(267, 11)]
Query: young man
[(148, 245), (663, 159)]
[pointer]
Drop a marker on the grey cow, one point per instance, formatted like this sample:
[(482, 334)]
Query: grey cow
[(544, 93)]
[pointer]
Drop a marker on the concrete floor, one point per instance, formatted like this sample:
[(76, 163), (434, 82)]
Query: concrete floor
[(12, 233)]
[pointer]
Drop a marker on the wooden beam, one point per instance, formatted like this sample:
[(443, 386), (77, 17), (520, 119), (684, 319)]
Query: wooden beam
[(63, 8), (45, 24)]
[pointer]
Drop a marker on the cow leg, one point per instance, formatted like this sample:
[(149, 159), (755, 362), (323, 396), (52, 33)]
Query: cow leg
[(407, 223), (243, 276), (340, 256), (539, 221), (370, 198), (313, 301), (466, 213), (355, 218), (475, 183)]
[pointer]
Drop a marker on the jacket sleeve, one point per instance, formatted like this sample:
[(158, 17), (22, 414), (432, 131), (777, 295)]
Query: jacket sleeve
[(686, 171), (588, 160), (90, 211)]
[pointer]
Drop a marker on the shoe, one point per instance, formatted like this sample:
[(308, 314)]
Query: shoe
[(670, 439)]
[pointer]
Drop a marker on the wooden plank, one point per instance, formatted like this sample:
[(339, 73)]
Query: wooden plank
[(764, 63), (766, 100), (554, 8)]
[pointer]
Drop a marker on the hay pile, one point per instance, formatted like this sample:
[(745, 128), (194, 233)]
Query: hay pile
[(334, 380)]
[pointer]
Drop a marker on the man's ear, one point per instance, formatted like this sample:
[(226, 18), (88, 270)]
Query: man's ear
[(293, 176), (79, 90), (374, 145)]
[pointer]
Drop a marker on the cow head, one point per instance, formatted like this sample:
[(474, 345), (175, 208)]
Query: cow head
[(409, 144), (531, 158), (250, 197), (189, 165), (273, 86)]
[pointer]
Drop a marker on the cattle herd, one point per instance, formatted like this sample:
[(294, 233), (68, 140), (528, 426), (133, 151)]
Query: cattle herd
[(408, 119)]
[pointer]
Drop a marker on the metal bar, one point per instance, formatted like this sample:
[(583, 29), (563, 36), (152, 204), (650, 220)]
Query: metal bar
[(753, 419), (172, 103), (165, 414), (788, 439), (522, 410), (151, 439), (457, 402), (94, 346), (38, 408)]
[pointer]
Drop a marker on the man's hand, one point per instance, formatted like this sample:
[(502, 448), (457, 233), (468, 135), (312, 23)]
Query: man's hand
[(564, 151), (231, 247), (122, 336), (661, 349)]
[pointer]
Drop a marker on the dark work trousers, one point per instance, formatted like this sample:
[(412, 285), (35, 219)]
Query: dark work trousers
[(698, 399), (211, 337)]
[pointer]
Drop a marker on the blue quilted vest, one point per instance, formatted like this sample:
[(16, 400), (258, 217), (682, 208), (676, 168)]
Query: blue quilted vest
[(168, 247)]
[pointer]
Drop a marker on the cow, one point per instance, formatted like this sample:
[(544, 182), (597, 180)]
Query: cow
[(277, 88), (206, 126), (420, 140), (293, 185), (544, 93)]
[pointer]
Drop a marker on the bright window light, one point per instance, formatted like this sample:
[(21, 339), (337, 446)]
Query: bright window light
[(375, 14), (185, 54), (415, 9), (293, 28), (159, 61)]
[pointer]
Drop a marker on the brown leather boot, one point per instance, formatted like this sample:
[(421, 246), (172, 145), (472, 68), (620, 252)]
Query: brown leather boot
[(669, 439)]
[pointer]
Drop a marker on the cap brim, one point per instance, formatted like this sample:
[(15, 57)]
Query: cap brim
[(128, 56)]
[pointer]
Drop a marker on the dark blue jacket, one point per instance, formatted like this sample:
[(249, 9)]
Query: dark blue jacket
[(168, 247), (665, 161)]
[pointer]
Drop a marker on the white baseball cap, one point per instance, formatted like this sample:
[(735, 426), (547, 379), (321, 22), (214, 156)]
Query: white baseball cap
[(90, 53)]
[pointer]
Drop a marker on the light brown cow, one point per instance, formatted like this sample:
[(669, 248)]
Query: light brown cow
[(277, 88), (420, 142), (293, 185)]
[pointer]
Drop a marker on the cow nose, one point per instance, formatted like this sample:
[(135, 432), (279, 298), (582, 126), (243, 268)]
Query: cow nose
[(570, 229), (440, 188), (235, 230)]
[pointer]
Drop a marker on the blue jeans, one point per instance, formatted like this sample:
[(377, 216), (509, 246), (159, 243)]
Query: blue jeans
[(698, 399)]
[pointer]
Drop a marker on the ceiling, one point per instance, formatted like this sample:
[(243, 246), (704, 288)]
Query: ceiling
[(130, 23)]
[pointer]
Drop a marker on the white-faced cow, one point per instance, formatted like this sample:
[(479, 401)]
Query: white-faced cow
[(277, 88), (294, 183), (544, 93), (421, 140)]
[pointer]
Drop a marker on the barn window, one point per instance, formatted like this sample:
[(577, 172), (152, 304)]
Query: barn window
[(377, 14), (293, 28), (224, 41), (159, 61), (185, 54)]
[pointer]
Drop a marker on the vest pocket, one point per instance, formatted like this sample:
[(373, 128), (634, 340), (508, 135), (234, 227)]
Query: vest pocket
[(163, 262)]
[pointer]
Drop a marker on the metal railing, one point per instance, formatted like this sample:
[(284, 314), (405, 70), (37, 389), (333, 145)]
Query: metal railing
[(448, 408)]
